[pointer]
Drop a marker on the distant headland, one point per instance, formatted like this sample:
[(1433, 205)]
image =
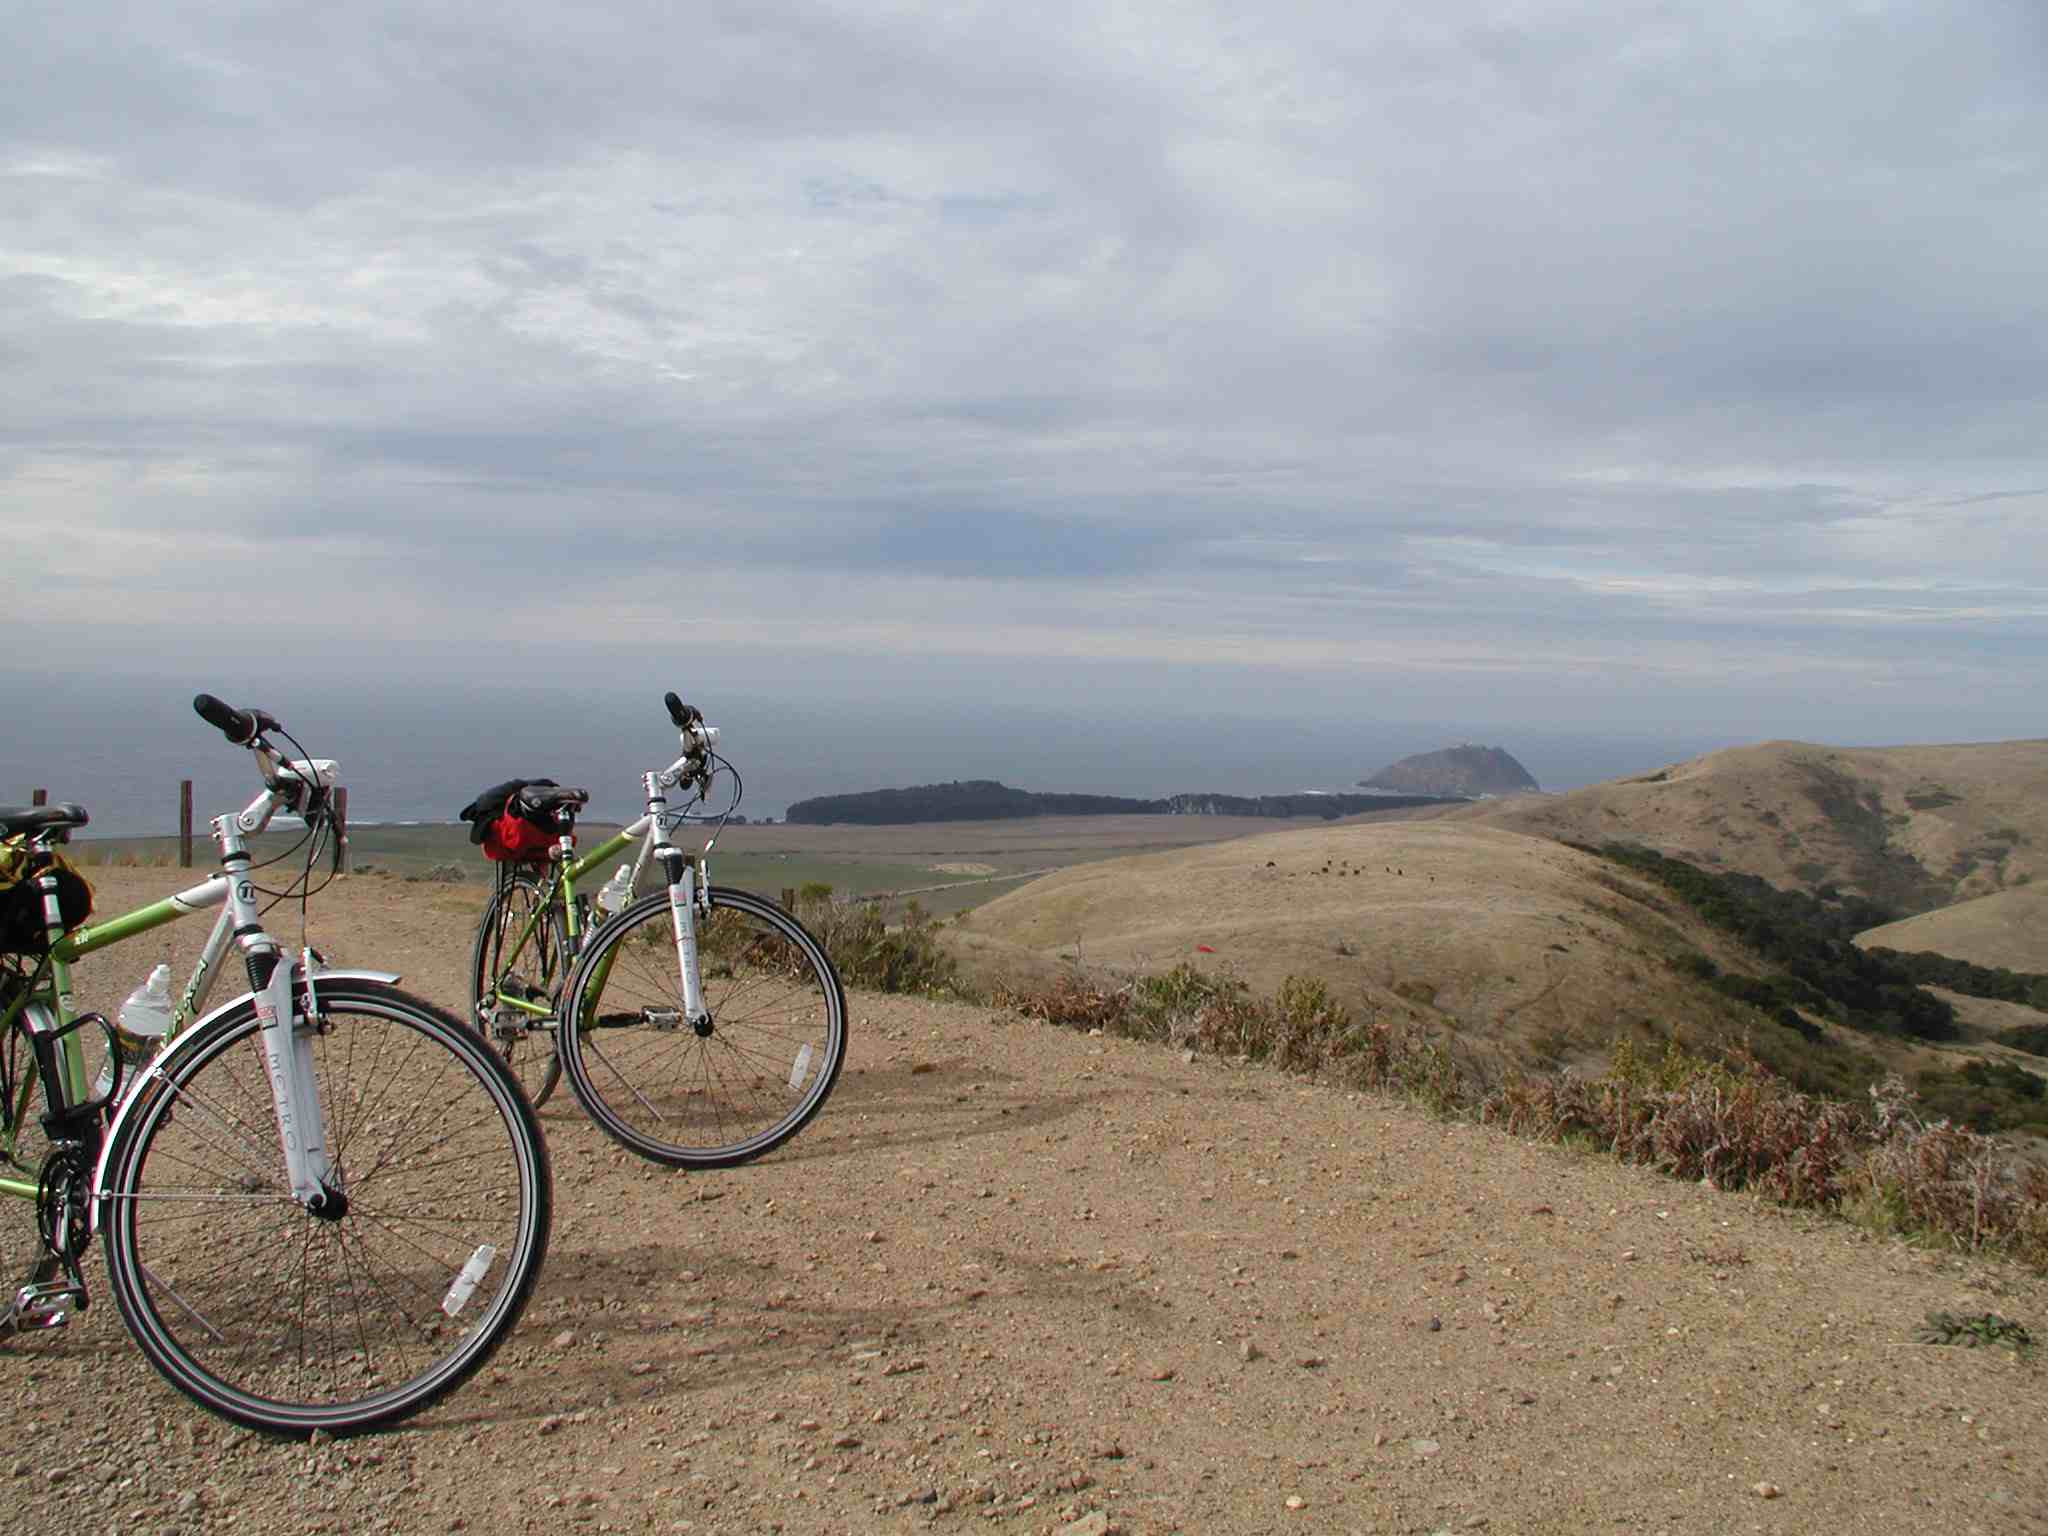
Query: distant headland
[(1463, 772), (987, 800)]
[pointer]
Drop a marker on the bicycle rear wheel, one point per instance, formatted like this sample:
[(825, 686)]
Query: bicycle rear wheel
[(292, 1322), (725, 1090), (532, 970)]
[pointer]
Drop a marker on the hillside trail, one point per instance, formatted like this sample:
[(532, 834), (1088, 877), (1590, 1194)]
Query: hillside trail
[(1022, 1279)]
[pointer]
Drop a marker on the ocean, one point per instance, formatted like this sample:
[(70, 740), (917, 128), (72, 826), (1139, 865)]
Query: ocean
[(418, 752)]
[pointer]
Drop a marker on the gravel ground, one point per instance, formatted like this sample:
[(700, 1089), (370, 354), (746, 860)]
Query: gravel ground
[(1023, 1279)]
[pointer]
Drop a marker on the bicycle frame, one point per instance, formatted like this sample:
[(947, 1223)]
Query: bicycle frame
[(286, 994), (686, 876)]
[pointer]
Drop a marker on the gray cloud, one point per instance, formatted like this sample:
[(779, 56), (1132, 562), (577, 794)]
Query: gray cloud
[(1348, 340)]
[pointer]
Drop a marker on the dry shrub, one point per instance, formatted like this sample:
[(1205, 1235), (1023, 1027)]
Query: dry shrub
[(1942, 1178), (1730, 1122), (1073, 1003)]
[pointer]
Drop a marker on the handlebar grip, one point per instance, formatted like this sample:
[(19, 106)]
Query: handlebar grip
[(684, 715), (240, 726), (237, 725)]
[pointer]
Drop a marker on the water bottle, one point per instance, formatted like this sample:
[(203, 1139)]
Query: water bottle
[(140, 1027), (618, 891)]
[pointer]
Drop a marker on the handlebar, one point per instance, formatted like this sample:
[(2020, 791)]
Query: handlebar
[(240, 726), (698, 738), (298, 784)]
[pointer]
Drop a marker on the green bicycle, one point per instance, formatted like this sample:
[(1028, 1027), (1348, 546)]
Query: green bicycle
[(699, 1026), (323, 1204)]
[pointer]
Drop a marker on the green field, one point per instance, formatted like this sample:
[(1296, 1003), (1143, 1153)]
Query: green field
[(949, 867), (421, 850)]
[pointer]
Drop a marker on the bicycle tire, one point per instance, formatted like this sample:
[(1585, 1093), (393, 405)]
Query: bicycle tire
[(526, 1045), (714, 1099), (289, 1322)]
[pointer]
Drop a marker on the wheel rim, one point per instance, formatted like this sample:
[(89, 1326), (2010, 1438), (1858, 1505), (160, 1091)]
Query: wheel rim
[(276, 1316), (524, 1043), (676, 1090)]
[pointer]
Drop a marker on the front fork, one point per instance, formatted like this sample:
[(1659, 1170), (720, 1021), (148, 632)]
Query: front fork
[(286, 1031), (682, 912)]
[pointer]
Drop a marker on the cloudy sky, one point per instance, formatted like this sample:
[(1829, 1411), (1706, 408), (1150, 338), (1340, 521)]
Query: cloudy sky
[(1607, 366)]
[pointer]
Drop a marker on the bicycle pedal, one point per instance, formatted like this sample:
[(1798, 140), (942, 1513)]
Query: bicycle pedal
[(37, 1308)]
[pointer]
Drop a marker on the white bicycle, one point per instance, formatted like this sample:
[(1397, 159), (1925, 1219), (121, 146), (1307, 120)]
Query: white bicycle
[(323, 1204), (700, 1026)]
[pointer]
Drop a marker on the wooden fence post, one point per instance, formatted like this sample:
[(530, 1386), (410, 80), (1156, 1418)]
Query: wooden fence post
[(789, 899), (184, 823), (341, 825), (39, 797)]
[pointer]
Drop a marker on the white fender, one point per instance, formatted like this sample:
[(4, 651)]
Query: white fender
[(170, 1055)]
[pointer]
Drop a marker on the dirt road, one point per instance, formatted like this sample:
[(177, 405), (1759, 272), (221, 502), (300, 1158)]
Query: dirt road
[(1025, 1280)]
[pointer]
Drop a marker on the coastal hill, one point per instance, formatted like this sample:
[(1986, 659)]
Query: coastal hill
[(987, 800), (1501, 928), (1912, 828), (1465, 771)]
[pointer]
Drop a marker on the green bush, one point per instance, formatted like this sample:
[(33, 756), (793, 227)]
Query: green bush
[(870, 952)]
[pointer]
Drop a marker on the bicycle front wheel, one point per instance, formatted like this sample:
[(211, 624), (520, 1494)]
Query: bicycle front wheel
[(291, 1322), (723, 1089), (519, 957)]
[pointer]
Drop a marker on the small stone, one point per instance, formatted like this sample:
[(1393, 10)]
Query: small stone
[(1248, 1352), (846, 1443), (564, 1340), (1094, 1523), (549, 1425), (1161, 1373), (1296, 1501), (1436, 1325), (1765, 1490), (1424, 1448)]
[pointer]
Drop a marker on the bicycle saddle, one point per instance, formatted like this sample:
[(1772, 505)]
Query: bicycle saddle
[(17, 819)]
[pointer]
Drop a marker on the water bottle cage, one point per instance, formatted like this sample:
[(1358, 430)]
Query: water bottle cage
[(73, 1123)]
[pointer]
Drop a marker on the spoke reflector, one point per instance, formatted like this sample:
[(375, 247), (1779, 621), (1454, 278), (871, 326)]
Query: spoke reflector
[(478, 1266)]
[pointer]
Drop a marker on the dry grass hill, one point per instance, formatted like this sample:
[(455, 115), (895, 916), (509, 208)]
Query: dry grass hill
[(2009, 929), (1912, 827), (1482, 925)]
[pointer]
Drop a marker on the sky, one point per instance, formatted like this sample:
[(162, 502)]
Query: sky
[(1674, 373)]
